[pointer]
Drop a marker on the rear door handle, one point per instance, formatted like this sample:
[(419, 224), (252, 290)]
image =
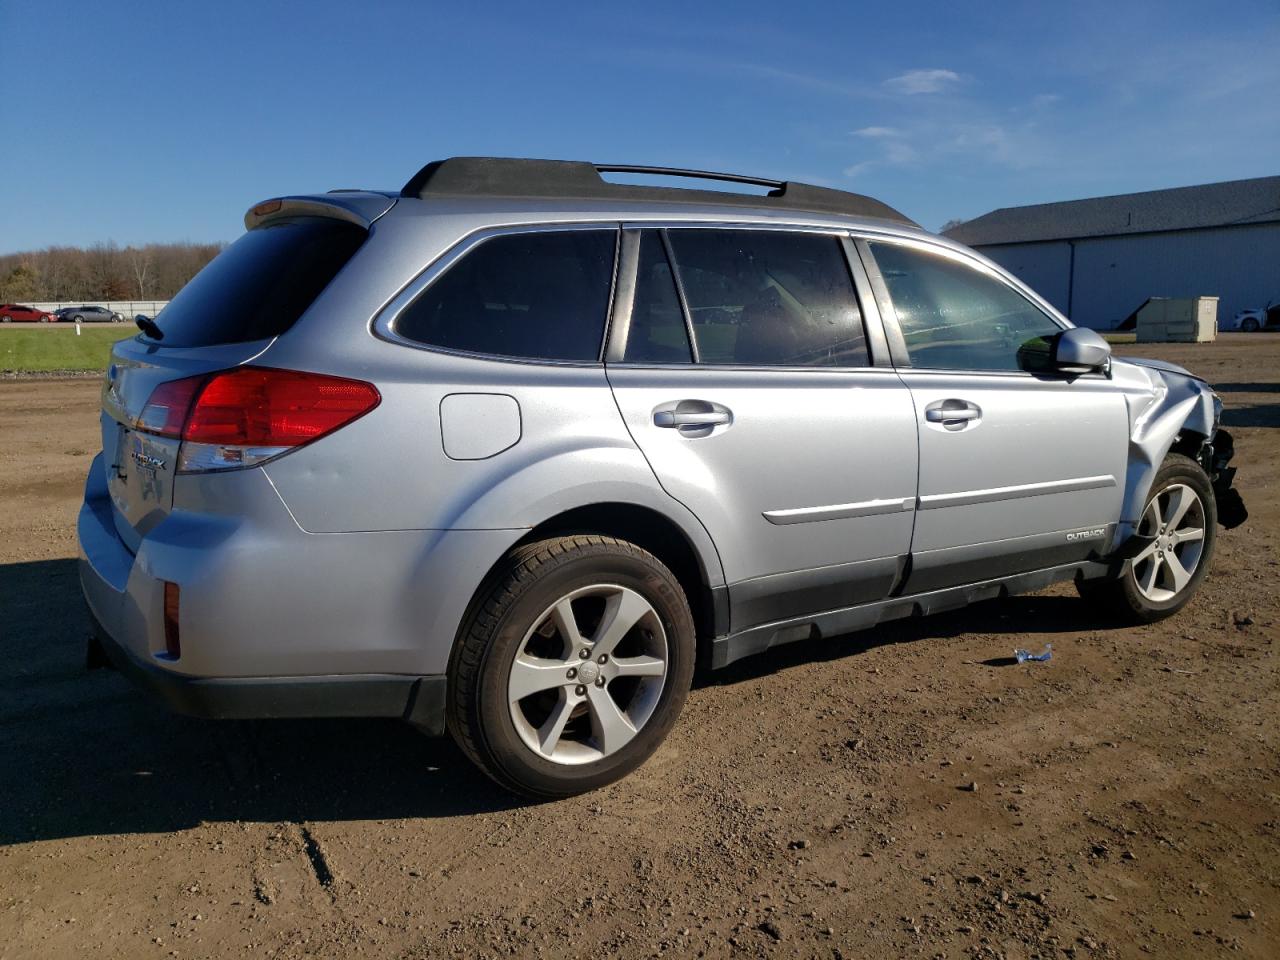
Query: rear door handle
[(952, 412), (693, 418)]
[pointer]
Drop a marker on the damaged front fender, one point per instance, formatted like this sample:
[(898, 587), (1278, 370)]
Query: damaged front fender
[(1167, 407)]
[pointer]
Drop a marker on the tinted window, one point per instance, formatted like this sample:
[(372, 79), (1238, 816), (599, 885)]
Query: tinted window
[(658, 333), (259, 286), (955, 317), (769, 298), (541, 296)]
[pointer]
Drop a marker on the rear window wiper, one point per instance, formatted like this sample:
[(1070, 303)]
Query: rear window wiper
[(149, 327)]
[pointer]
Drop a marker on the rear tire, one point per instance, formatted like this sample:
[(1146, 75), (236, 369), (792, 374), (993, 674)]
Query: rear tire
[(572, 665), (1182, 517)]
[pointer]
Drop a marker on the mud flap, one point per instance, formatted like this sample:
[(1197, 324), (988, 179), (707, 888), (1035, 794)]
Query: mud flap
[(1130, 548)]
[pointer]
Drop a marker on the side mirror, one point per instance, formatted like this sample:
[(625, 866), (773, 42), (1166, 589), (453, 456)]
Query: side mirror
[(141, 318), (1080, 350)]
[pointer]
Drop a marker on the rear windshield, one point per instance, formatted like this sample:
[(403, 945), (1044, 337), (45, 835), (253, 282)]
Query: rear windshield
[(259, 286)]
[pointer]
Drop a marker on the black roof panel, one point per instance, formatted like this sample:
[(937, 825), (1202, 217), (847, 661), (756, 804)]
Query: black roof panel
[(578, 180)]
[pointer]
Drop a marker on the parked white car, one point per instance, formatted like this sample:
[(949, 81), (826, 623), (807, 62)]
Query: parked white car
[(1256, 318)]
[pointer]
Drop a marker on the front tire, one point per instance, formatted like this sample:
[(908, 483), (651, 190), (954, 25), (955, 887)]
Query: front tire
[(1181, 520), (1249, 325), (572, 666)]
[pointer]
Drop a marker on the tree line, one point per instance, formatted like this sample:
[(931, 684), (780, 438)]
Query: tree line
[(102, 271)]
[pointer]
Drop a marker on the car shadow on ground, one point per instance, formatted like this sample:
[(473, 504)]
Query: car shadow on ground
[(83, 753), (1244, 414), (1259, 415), (1246, 387)]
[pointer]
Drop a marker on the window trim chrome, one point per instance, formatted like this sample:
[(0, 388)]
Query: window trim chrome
[(383, 325)]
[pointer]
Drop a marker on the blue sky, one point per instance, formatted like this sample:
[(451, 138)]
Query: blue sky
[(163, 121)]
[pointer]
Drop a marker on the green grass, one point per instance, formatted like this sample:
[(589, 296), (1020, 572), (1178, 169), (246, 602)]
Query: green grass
[(1120, 337), (35, 351)]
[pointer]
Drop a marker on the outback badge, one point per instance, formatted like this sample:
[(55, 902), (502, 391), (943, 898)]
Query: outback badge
[(1093, 534)]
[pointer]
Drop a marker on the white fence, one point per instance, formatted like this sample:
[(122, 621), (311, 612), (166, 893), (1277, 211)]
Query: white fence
[(126, 308)]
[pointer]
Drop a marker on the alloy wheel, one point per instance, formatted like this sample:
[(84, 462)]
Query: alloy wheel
[(1174, 521), (588, 674)]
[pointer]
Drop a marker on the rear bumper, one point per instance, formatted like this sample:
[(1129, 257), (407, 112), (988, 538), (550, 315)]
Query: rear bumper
[(419, 700), (263, 647)]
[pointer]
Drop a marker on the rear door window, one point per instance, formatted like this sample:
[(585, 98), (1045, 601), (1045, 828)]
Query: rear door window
[(538, 296), (769, 298), (259, 286), (658, 333)]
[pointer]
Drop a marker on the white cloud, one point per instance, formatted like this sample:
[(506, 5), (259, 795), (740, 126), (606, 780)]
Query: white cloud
[(922, 81), (988, 140), (878, 132), (895, 150), (899, 152)]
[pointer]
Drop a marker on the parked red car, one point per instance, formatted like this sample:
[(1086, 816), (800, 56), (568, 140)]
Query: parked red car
[(16, 313)]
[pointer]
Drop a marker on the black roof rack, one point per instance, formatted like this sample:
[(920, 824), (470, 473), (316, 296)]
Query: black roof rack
[(578, 180)]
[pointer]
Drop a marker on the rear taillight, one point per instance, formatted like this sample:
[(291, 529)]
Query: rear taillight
[(167, 407), (241, 417)]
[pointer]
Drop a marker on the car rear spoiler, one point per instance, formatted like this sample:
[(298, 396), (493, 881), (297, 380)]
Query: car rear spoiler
[(361, 207)]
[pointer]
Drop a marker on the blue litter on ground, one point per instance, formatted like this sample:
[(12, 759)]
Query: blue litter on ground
[(1023, 656)]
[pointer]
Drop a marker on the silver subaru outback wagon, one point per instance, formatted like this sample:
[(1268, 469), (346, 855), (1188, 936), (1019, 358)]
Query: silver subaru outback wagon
[(507, 452)]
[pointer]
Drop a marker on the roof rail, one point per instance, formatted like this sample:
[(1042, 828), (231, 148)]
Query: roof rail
[(579, 180)]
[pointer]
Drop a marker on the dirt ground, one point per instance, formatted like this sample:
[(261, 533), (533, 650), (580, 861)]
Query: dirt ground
[(810, 802)]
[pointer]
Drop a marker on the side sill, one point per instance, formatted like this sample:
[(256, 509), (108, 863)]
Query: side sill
[(728, 649)]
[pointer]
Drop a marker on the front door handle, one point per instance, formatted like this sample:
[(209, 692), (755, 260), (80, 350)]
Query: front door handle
[(693, 418), (952, 414), (681, 418)]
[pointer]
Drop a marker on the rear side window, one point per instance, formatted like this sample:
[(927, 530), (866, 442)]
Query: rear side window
[(539, 296), (769, 298), (259, 286)]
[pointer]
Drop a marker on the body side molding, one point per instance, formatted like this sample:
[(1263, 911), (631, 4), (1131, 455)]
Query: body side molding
[(966, 498), (840, 511)]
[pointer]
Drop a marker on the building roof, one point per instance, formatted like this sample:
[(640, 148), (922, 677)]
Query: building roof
[(1182, 208)]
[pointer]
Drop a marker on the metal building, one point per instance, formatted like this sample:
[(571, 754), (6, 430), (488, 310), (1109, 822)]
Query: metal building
[(1098, 260)]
